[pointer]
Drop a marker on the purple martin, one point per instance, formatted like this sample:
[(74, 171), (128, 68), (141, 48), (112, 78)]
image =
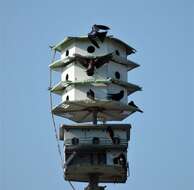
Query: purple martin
[(91, 94), (117, 96), (120, 159), (131, 103), (91, 63), (96, 34)]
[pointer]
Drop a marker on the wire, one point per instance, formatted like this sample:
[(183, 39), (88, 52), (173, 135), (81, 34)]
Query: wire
[(52, 115), (53, 120), (71, 185)]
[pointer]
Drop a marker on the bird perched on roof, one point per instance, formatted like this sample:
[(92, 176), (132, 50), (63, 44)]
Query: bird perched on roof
[(117, 96), (91, 94), (131, 103), (96, 34), (110, 133), (131, 50), (92, 63)]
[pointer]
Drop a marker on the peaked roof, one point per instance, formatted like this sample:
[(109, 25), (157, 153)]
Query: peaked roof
[(108, 110), (57, 64), (131, 88), (69, 39)]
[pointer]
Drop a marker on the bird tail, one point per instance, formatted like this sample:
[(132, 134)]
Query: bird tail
[(102, 36), (140, 110), (109, 96)]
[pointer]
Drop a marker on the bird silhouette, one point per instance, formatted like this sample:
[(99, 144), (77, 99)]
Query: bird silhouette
[(101, 60), (117, 96), (96, 34), (120, 159), (110, 133), (91, 67), (92, 63), (131, 50), (91, 94), (131, 103)]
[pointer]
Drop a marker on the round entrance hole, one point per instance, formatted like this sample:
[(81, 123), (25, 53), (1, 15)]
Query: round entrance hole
[(75, 141), (91, 49), (67, 77), (117, 75), (67, 52), (117, 52)]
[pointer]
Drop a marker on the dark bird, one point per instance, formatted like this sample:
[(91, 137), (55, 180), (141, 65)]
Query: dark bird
[(131, 103), (96, 34), (117, 96), (131, 50), (110, 133), (99, 61), (91, 67), (120, 159), (91, 94), (92, 63), (51, 46)]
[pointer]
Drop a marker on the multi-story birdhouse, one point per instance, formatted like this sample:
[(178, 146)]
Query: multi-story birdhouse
[(93, 76), (74, 51), (94, 87)]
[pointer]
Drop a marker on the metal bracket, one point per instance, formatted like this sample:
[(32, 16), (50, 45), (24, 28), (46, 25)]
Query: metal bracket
[(70, 159), (93, 183)]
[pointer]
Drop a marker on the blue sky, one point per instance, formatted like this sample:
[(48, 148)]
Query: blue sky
[(161, 149)]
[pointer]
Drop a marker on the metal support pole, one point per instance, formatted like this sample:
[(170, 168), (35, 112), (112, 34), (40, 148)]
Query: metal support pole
[(95, 113), (93, 183)]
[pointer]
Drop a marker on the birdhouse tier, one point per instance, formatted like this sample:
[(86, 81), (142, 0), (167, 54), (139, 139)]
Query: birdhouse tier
[(84, 164), (77, 72), (102, 136), (91, 149), (82, 111), (110, 59), (83, 46), (79, 90), (109, 163)]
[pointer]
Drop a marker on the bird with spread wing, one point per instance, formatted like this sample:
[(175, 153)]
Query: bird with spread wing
[(93, 62)]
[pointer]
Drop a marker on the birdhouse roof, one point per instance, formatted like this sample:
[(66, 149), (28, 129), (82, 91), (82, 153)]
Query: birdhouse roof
[(60, 87), (68, 40), (97, 126), (82, 110), (58, 64)]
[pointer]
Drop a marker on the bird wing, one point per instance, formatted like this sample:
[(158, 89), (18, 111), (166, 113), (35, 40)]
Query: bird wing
[(101, 36), (82, 60), (102, 27), (95, 27), (102, 60), (93, 41)]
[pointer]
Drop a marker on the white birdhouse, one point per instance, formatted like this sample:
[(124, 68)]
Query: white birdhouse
[(106, 82), (94, 87), (100, 147), (71, 68)]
